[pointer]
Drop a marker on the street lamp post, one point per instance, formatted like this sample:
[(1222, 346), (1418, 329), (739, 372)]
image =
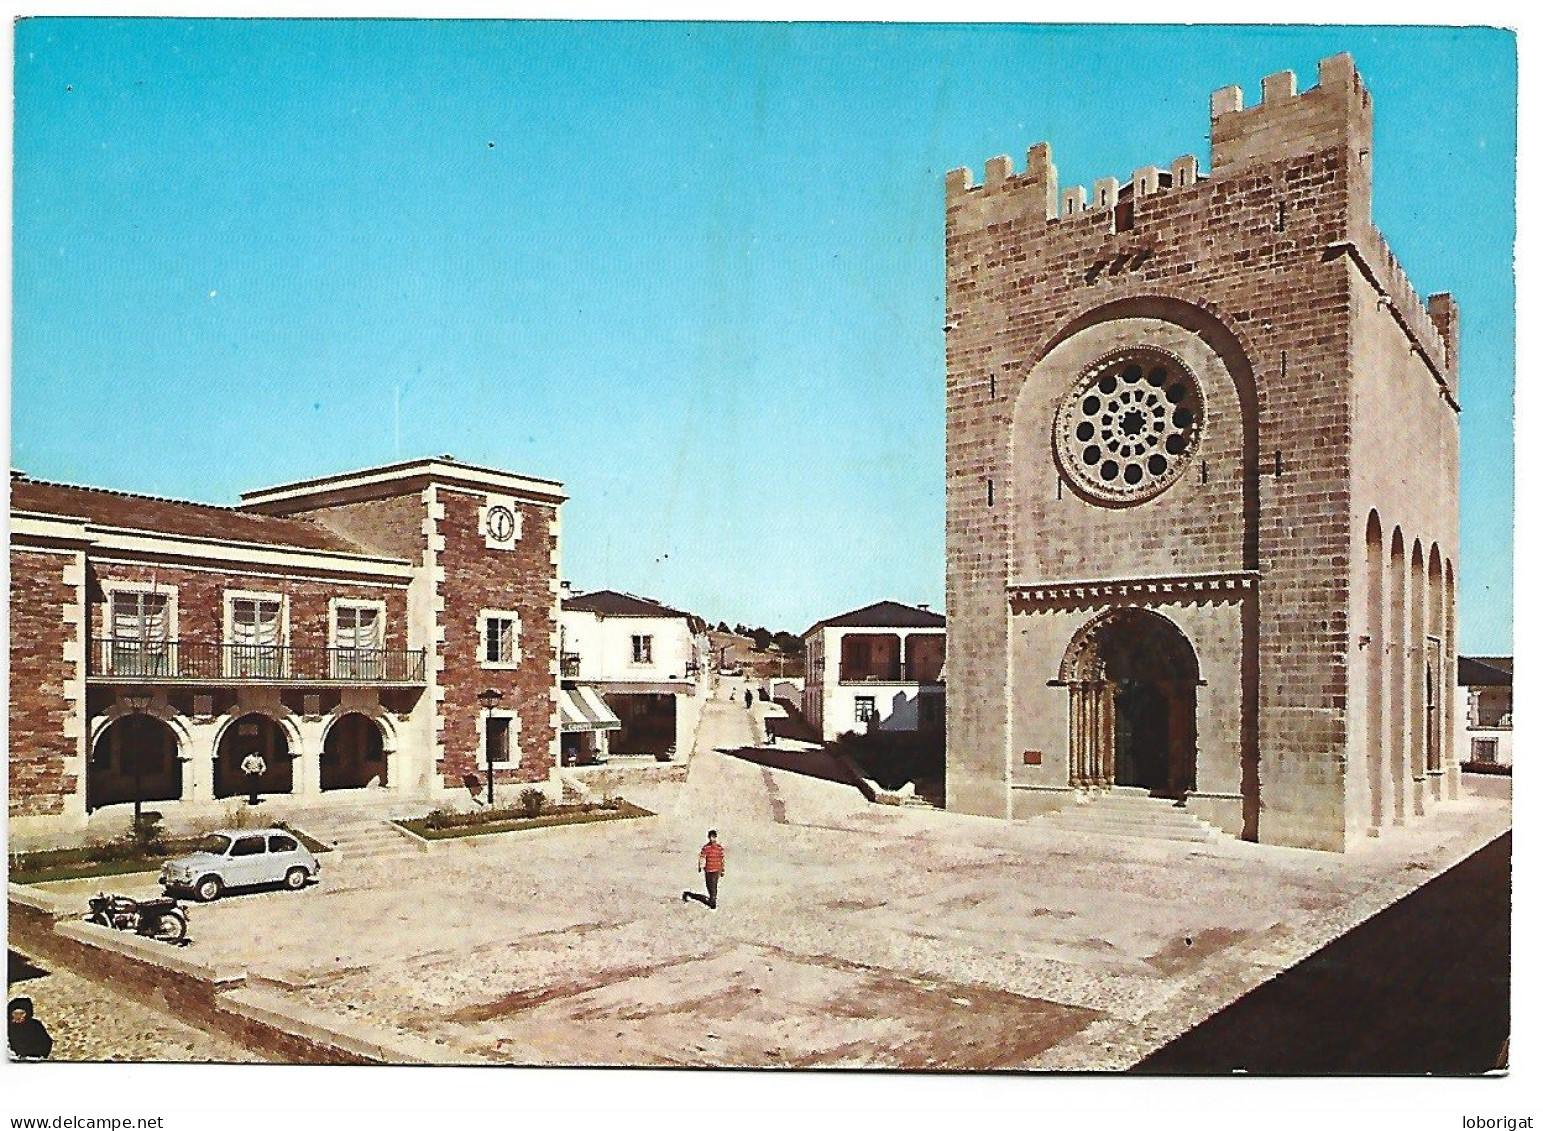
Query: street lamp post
[(137, 703), (489, 699)]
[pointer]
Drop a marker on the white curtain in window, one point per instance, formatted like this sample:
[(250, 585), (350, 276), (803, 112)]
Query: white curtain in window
[(358, 626), (139, 616), (255, 623)]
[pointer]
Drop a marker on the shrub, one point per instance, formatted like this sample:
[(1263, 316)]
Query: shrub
[(147, 834), (532, 801), (438, 818), (240, 815)]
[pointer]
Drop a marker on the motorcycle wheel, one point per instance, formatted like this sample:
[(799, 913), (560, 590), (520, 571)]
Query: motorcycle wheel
[(172, 926)]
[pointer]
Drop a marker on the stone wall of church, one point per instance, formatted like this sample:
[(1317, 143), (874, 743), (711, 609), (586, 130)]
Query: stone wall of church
[(1250, 274)]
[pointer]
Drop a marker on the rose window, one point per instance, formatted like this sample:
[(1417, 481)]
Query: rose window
[(1128, 427)]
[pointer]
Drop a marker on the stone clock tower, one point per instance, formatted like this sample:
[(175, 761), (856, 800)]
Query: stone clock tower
[(1201, 486)]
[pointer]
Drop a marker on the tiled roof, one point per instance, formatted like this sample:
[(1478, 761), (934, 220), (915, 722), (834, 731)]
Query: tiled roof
[(883, 614), (172, 516), (1484, 671), (609, 603)]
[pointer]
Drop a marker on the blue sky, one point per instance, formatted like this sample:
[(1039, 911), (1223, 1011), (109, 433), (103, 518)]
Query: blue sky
[(694, 271)]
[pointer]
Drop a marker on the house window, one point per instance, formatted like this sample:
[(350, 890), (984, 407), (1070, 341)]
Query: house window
[(358, 640), (1486, 750), (642, 649), (140, 634), (498, 747), (256, 635), (866, 708), (500, 639)]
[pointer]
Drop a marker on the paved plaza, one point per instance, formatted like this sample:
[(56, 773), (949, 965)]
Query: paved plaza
[(848, 934)]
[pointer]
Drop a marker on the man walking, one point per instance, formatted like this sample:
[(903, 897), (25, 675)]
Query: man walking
[(710, 863)]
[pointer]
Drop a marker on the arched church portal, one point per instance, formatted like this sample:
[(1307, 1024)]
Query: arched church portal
[(1132, 676)]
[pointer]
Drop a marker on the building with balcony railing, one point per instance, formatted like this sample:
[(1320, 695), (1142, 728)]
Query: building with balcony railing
[(878, 668), (342, 628), (641, 663)]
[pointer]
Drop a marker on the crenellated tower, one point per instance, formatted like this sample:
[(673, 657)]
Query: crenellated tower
[(1201, 470)]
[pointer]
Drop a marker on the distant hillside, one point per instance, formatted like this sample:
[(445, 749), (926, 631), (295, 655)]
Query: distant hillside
[(733, 651)]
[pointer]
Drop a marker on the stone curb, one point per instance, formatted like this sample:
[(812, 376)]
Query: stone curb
[(353, 1038), (28, 896), (424, 844), (151, 951)]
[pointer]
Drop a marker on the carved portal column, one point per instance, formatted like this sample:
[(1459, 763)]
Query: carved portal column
[(1092, 734), (1078, 769), (1103, 712)]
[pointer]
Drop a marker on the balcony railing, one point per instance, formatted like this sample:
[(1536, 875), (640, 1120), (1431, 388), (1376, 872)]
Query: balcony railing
[(899, 673), (189, 660), (570, 665)]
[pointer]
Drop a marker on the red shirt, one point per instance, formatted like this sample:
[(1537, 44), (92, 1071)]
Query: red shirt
[(712, 857)]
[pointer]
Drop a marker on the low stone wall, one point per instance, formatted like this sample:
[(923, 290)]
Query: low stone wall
[(507, 836), (612, 780), (164, 977)]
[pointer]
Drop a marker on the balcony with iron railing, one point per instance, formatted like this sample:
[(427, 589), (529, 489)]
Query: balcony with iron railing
[(922, 673), (182, 661)]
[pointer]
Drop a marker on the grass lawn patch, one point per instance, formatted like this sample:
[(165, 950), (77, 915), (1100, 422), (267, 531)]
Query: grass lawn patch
[(443, 826), (116, 857)]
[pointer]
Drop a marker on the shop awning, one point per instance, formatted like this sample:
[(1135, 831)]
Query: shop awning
[(583, 709)]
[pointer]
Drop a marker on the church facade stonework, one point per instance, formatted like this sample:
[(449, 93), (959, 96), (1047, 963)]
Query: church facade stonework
[(1201, 469)]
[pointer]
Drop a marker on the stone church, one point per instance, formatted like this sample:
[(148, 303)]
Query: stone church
[(1202, 468)]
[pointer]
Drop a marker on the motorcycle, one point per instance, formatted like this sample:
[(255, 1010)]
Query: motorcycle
[(163, 918)]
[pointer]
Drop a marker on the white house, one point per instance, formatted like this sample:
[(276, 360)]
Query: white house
[(875, 668), (640, 662), (1486, 681)]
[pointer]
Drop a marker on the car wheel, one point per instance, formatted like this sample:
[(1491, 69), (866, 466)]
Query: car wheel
[(209, 888), (295, 878)]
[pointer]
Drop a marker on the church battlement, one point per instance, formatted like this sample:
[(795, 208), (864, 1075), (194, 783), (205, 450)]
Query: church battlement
[(1284, 124), (1037, 186)]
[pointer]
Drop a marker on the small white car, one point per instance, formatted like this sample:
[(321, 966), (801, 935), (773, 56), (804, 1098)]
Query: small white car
[(232, 858)]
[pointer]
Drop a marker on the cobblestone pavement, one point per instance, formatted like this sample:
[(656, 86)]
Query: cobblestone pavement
[(90, 1021), (848, 934)]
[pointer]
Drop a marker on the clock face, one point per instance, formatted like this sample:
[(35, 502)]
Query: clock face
[(500, 524), (1127, 428)]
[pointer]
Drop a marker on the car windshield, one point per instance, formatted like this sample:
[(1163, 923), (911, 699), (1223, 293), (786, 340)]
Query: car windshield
[(215, 843)]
